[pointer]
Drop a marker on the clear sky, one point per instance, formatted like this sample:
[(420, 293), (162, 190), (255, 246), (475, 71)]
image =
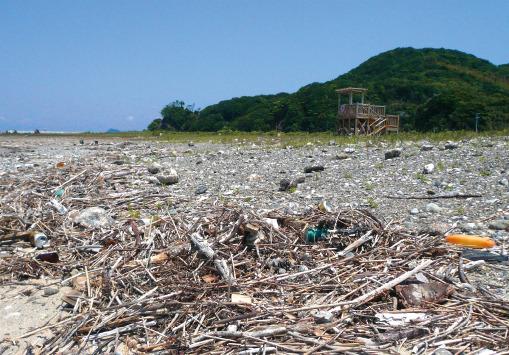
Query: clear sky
[(94, 65)]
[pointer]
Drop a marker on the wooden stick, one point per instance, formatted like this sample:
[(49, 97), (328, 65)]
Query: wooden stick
[(387, 286)]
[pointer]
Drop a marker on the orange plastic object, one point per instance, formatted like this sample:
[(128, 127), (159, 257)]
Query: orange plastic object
[(470, 241), (60, 165)]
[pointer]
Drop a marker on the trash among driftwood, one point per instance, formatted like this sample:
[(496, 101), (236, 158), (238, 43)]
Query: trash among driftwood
[(470, 241), (223, 278), (35, 238), (93, 217), (420, 295), (241, 299), (397, 319), (51, 257), (486, 256)]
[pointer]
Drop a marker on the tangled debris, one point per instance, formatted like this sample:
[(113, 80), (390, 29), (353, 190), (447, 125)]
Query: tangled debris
[(226, 280)]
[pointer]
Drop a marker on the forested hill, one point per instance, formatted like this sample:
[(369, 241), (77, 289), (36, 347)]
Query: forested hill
[(431, 89)]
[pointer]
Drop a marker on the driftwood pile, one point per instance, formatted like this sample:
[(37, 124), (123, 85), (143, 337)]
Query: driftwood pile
[(225, 280)]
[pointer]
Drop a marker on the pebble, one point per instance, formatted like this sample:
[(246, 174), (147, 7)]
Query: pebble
[(201, 189), (426, 147), (303, 268), (414, 211), (349, 150), (500, 224), (49, 291), (287, 184), (504, 182), (154, 169), (428, 169), (441, 351), (169, 179), (342, 156), (451, 145), (433, 208), (323, 317), (313, 168), (393, 153)]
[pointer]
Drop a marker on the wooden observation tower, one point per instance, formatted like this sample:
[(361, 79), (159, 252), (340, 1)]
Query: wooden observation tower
[(360, 118)]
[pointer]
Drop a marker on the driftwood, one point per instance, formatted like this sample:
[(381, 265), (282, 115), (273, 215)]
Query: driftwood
[(206, 250), (164, 281)]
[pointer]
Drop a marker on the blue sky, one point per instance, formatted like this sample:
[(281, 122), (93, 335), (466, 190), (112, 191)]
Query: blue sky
[(93, 65)]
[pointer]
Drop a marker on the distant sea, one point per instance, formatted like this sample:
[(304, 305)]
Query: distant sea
[(46, 132)]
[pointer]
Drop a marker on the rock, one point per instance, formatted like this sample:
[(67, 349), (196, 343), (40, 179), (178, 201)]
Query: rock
[(118, 162), (153, 180), (426, 147), (428, 169), (468, 227), (504, 182), (190, 144), (349, 150), (93, 217), (49, 291), (414, 211), (310, 169), (201, 189), (322, 317), (168, 179), (441, 351), (433, 208), (342, 156), (300, 179), (393, 153), (154, 168), (287, 184), (173, 154), (302, 268), (332, 142), (451, 145), (500, 224)]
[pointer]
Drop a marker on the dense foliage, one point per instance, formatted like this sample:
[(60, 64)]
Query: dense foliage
[(431, 89)]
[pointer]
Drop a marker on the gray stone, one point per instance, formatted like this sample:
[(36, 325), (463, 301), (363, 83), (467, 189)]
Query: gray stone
[(393, 153), (93, 217), (310, 169), (303, 268), (500, 224), (49, 291), (168, 179), (504, 182), (428, 169), (451, 145), (322, 317), (426, 147), (349, 150), (287, 184), (201, 189), (433, 208), (154, 169), (342, 156), (414, 211), (332, 143)]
